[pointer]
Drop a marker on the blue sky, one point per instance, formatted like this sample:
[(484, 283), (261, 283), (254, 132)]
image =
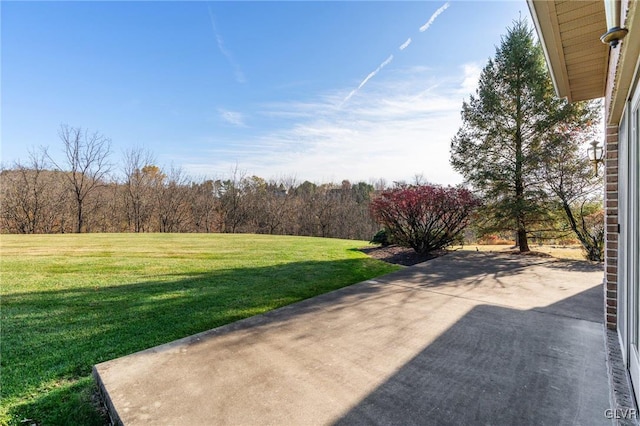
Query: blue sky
[(319, 91)]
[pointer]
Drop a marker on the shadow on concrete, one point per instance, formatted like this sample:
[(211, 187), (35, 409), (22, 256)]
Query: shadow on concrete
[(467, 269), (588, 306), (577, 265), (500, 366)]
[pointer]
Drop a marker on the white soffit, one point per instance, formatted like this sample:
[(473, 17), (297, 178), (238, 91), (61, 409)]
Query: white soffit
[(570, 35)]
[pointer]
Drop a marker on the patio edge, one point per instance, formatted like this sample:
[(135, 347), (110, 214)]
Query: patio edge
[(625, 410)]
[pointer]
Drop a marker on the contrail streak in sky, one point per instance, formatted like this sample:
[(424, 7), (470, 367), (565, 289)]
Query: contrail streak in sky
[(390, 58), (369, 77), (237, 71), (433, 17), (405, 44)]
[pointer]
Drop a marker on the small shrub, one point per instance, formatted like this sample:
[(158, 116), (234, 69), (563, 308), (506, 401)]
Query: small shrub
[(381, 237)]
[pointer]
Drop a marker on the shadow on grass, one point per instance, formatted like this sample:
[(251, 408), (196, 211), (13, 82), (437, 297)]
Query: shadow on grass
[(71, 403), (51, 339)]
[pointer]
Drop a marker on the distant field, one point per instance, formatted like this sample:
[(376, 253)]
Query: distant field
[(71, 301), (572, 252)]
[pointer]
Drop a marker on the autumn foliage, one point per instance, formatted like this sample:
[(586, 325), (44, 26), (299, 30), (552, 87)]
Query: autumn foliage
[(424, 217)]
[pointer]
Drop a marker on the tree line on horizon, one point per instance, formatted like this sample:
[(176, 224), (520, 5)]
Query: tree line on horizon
[(81, 195)]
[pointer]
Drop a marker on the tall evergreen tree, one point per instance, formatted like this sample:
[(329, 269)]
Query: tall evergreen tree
[(500, 144)]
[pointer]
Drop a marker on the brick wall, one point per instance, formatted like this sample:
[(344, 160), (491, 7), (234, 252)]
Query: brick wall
[(611, 220)]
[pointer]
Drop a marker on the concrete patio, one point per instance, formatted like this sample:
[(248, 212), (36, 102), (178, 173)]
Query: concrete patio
[(467, 338)]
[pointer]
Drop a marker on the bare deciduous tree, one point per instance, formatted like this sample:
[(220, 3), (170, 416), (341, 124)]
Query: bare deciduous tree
[(233, 208), (203, 206), (86, 159), (24, 193), (172, 198), (138, 186)]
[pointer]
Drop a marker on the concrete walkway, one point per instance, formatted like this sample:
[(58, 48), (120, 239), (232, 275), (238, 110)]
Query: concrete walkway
[(465, 339)]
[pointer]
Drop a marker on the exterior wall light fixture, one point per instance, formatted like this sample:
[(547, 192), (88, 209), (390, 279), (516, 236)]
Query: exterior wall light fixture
[(595, 155), (614, 33)]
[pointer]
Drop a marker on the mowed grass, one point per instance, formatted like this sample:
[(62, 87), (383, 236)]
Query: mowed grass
[(72, 301)]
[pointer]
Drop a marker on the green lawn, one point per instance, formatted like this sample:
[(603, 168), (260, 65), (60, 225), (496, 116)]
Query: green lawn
[(71, 301)]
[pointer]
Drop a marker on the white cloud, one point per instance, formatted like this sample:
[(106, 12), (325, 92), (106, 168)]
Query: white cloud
[(405, 44), (471, 77), (437, 13), (232, 117), (400, 127)]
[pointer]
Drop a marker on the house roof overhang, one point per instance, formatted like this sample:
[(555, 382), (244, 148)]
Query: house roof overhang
[(569, 32)]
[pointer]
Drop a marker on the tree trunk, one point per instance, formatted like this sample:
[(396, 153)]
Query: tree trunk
[(80, 217), (523, 243), (591, 244)]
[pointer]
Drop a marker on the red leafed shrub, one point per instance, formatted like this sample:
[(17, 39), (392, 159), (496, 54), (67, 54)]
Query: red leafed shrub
[(424, 217)]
